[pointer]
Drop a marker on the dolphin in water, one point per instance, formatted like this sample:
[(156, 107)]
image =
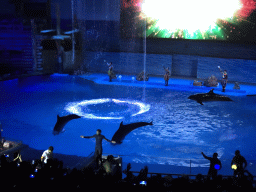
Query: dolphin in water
[(62, 121), (124, 130), (210, 96)]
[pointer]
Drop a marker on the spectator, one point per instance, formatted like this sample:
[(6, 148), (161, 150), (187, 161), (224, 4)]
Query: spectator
[(110, 165), (215, 165), (47, 154), (238, 164), (129, 176), (17, 157)]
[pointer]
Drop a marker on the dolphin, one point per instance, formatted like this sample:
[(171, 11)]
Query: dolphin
[(124, 130), (62, 121), (210, 96)]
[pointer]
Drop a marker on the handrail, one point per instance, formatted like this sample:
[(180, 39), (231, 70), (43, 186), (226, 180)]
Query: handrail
[(190, 165), (187, 159), (84, 162), (189, 175)]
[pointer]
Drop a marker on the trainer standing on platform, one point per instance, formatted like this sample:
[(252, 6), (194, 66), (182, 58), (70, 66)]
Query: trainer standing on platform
[(110, 71), (224, 79), (166, 76), (98, 146)]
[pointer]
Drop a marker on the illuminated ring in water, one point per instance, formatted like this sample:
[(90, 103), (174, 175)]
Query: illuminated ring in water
[(75, 107)]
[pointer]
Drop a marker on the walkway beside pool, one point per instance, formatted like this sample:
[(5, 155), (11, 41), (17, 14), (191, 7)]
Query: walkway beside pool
[(174, 84)]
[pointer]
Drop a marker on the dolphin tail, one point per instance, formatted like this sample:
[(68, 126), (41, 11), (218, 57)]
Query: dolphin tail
[(55, 133)]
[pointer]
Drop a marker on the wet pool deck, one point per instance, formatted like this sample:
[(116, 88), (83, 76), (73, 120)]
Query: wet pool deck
[(180, 84)]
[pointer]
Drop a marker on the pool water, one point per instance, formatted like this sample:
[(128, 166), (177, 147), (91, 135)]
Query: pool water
[(182, 128)]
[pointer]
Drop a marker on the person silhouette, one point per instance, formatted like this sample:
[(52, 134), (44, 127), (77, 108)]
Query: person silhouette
[(224, 80), (238, 164), (166, 75), (215, 165), (98, 146)]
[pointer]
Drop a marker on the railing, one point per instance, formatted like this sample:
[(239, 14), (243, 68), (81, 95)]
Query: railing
[(84, 162), (182, 175), (179, 166)]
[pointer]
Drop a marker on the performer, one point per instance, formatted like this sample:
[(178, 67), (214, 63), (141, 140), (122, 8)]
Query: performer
[(166, 76), (98, 146), (110, 71), (224, 79)]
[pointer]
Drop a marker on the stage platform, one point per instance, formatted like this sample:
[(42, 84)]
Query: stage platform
[(180, 84)]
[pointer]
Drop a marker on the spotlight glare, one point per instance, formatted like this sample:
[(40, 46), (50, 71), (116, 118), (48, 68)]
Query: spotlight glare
[(167, 18)]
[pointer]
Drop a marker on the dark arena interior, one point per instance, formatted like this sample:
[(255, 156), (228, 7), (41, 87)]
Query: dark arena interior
[(128, 94)]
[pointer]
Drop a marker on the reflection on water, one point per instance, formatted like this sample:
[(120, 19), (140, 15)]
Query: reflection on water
[(181, 127), (184, 129)]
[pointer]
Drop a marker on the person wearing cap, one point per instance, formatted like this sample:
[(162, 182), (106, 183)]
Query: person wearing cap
[(215, 165)]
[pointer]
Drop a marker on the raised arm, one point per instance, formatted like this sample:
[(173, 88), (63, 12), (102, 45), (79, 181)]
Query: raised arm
[(205, 156), (220, 69), (109, 140)]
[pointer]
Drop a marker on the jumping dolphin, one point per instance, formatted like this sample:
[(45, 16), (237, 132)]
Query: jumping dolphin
[(124, 130), (62, 121), (210, 96)]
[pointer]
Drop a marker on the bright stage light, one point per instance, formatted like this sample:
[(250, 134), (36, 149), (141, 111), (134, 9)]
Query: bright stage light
[(191, 19), (189, 15), (76, 107)]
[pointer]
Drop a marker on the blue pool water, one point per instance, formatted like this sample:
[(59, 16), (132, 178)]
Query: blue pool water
[(182, 128)]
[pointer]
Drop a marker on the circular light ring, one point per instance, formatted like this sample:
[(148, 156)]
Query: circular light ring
[(75, 107)]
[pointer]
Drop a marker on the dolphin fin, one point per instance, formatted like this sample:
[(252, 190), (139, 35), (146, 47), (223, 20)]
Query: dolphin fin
[(200, 102), (211, 91)]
